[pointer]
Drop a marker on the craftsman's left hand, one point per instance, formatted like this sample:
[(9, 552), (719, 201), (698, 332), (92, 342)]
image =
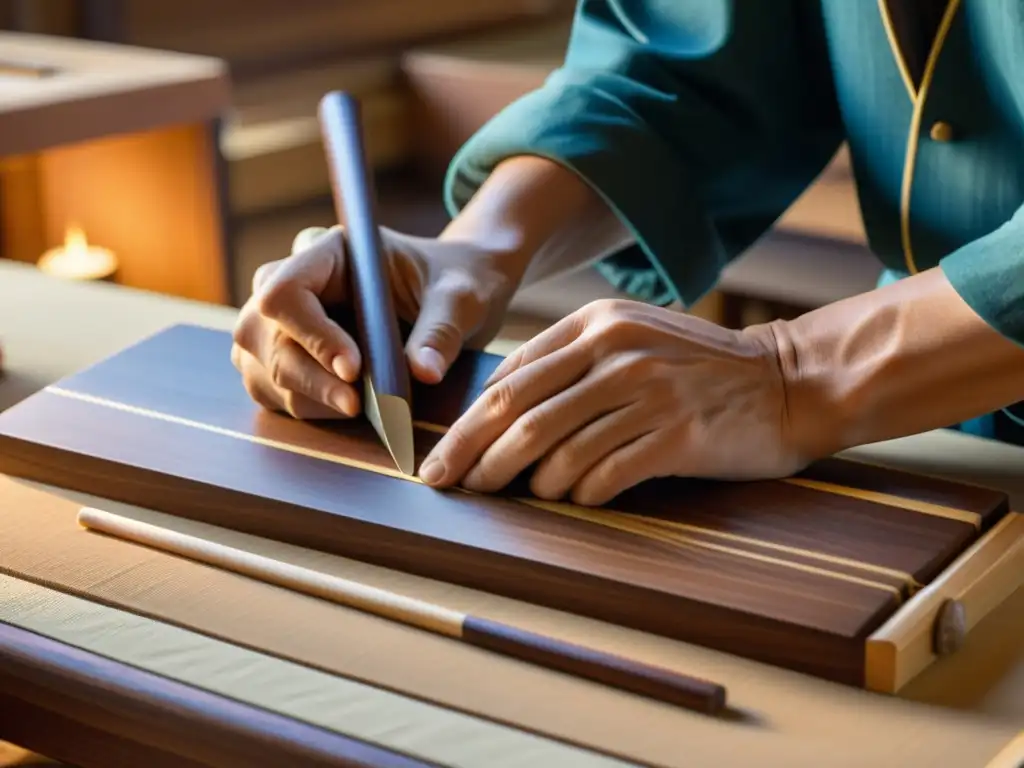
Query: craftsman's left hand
[(617, 393)]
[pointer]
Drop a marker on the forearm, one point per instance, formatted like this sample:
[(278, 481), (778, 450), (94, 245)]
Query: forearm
[(899, 360), (539, 219)]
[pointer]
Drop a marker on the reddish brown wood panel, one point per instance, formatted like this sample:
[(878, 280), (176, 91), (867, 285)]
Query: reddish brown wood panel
[(776, 572), (93, 712)]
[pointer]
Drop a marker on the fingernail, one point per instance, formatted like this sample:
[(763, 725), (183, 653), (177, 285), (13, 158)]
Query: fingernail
[(432, 360), (432, 471), (343, 368)]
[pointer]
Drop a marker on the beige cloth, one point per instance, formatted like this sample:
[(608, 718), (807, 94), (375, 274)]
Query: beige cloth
[(961, 712)]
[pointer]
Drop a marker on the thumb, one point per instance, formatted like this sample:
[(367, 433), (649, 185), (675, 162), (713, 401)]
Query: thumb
[(439, 333)]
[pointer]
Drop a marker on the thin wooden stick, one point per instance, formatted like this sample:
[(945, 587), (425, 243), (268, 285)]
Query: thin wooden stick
[(615, 671)]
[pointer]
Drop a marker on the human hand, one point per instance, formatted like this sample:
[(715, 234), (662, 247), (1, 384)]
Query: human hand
[(617, 393), (295, 358)]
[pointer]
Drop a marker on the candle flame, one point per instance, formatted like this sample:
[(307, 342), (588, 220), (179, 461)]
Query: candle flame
[(75, 240), (77, 259)]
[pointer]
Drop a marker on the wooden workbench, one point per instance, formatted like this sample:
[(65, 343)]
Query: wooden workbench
[(445, 704)]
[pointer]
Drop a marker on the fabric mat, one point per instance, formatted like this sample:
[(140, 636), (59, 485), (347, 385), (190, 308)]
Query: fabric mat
[(966, 709), (404, 725)]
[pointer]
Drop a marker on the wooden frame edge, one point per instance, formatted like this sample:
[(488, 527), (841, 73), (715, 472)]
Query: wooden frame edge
[(158, 716), (954, 603), (1010, 756)]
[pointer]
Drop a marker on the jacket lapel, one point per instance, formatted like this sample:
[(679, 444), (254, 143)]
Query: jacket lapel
[(912, 27)]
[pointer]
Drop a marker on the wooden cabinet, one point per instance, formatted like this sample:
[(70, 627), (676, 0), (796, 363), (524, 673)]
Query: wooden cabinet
[(121, 144)]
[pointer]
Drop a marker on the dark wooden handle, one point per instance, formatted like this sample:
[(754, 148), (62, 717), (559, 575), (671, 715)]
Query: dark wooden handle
[(355, 206), (653, 682)]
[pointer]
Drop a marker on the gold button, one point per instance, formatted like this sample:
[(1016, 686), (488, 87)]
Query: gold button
[(941, 131)]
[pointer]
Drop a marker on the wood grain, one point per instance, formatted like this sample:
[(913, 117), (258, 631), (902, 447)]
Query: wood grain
[(776, 572), (157, 721)]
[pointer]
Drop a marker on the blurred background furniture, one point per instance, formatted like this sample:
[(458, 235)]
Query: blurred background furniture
[(109, 164), (428, 74)]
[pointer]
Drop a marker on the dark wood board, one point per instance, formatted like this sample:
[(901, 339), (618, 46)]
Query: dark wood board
[(95, 712), (774, 571)]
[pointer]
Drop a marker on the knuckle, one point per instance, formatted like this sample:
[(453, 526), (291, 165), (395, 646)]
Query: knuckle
[(607, 310), (443, 334), (309, 237), (243, 335), (529, 429), (263, 273), (319, 348), (272, 301), (291, 403), (278, 369), (499, 401), (258, 393), (609, 327)]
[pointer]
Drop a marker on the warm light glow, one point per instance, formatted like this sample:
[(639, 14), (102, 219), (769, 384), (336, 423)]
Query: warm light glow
[(77, 260), (75, 242)]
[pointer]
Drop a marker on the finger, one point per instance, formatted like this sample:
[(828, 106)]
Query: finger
[(265, 394), (563, 467), (291, 369), (621, 469), (542, 428), (449, 313), (262, 274), (294, 297), (557, 336), (307, 237), (496, 410)]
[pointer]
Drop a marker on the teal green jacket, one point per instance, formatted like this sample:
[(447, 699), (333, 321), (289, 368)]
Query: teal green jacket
[(701, 121)]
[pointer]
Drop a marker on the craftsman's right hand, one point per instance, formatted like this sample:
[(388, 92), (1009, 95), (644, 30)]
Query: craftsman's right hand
[(294, 358)]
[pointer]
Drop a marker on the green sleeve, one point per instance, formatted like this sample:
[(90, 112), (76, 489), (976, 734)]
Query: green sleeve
[(988, 273), (698, 121)]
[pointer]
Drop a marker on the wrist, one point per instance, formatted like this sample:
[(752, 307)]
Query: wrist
[(896, 361), (818, 409), (531, 210)]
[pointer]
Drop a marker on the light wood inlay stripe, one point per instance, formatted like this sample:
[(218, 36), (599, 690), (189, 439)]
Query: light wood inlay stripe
[(924, 507), (623, 522), (675, 529), (628, 523)]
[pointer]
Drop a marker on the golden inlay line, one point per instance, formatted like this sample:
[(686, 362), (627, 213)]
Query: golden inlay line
[(636, 524), (676, 528), (623, 522), (264, 441), (924, 507), (888, 499)]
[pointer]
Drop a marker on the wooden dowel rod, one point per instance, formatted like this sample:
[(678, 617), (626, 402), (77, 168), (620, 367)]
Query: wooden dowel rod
[(615, 671)]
